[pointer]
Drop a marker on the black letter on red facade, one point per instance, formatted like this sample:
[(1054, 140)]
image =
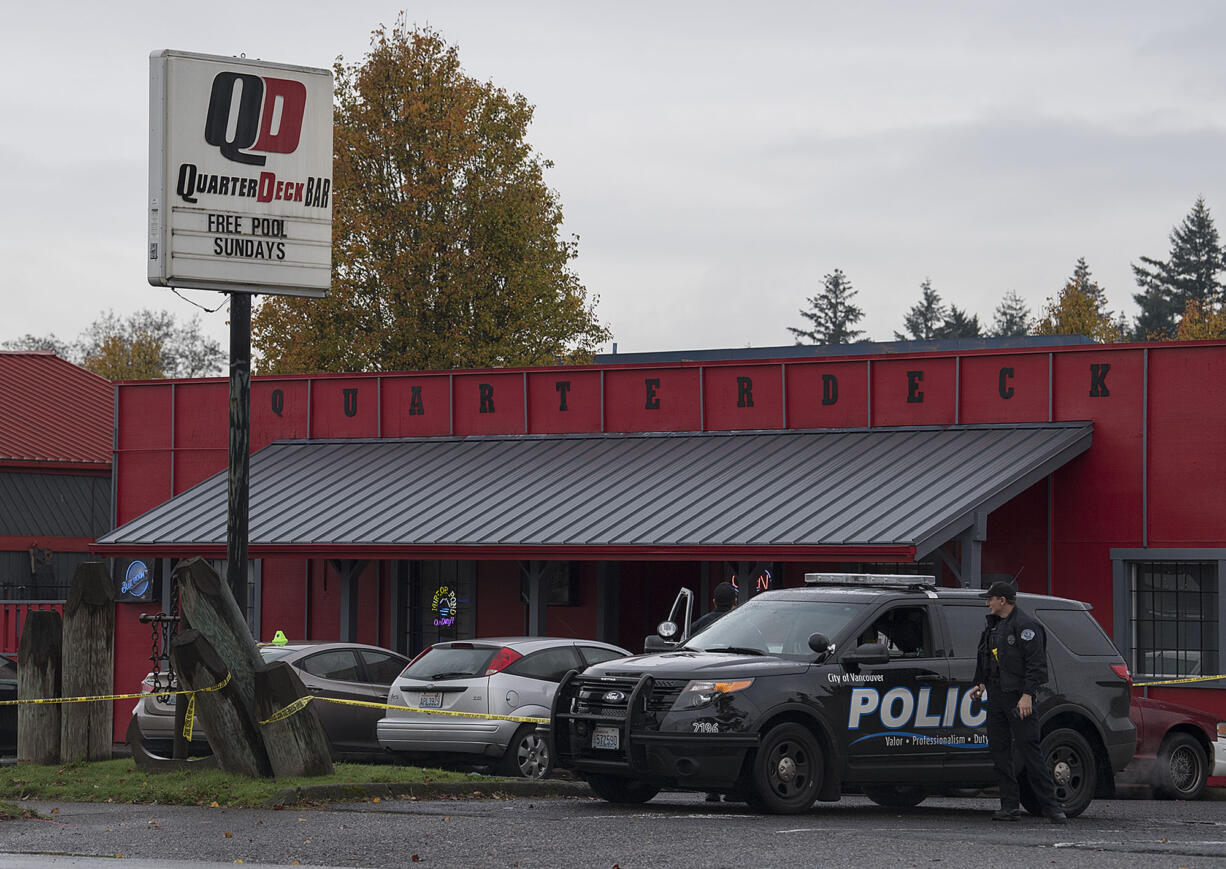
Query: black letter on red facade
[(563, 387), (351, 402), (1006, 391), (830, 389), (914, 396), (416, 406), (744, 392), (1098, 380), (278, 401), (486, 391), (652, 384)]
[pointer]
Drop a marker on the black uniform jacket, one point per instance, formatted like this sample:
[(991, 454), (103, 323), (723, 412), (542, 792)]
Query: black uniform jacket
[(1021, 652)]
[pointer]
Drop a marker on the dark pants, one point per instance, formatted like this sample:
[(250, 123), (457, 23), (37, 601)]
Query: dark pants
[(1005, 730)]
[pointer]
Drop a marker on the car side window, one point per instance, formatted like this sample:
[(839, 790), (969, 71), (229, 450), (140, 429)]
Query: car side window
[(906, 632), (548, 664), (338, 664), (382, 667), (965, 624), (598, 655)]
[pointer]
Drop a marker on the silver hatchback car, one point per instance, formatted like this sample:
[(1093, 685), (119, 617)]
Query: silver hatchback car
[(501, 676)]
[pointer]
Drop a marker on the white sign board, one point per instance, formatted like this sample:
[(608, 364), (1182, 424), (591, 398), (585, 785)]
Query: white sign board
[(240, 175)]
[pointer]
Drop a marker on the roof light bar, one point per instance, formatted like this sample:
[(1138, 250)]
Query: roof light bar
[(876, 580)]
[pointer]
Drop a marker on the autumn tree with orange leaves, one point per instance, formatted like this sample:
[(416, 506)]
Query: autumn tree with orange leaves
[(446, 245)]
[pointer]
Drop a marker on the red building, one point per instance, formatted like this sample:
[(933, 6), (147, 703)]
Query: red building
[(55, 480), (399, 508)]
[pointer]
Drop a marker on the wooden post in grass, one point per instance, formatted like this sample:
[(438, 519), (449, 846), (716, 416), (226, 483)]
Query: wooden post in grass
[(232, 731), (86, 728), (210, 608), (296, 744), (38, 677)]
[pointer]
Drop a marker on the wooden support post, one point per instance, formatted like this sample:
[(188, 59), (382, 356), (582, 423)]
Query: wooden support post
[(86, 729), (233, 731), (296, 745), (210, 608), (38, 676)]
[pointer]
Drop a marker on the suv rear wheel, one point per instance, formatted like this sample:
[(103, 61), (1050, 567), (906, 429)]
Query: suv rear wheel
[(621, 790), (1073, 771), (1183, 769), (786, 772), (896, 796)]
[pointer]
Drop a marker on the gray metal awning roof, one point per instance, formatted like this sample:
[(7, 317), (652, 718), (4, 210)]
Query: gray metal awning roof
[(860, 494)]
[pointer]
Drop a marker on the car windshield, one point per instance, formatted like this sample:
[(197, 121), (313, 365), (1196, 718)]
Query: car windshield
[(450, 662), (775, 626)]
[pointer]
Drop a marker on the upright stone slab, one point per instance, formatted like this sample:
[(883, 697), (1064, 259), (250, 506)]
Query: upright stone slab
[(210, 608), (296, 744), (38, 677), (232, 730), (86, 729)]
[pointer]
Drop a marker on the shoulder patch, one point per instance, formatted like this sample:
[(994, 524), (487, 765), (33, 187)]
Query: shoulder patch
[(1028, 634)]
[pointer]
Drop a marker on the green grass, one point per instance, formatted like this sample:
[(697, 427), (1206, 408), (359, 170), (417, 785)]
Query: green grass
[(121, 781)]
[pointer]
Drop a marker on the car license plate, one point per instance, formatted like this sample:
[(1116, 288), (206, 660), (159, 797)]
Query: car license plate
[(431, 700), (606, 737)]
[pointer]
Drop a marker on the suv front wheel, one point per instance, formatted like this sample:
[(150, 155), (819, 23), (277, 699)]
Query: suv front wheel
[(786, 772), (1073, 771)]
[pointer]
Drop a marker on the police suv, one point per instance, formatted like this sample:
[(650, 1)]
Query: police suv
[(852, 683)]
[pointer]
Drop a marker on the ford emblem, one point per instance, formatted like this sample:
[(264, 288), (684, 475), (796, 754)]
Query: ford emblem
[(614, 697)]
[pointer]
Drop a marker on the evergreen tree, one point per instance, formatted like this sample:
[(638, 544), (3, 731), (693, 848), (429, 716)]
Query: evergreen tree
[(1012, 317), (957, 324), (832, 313), (925, 319), (1190, 274), (1080, 308)]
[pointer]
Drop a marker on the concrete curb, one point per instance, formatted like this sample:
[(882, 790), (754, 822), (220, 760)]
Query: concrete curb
[(477, 790)]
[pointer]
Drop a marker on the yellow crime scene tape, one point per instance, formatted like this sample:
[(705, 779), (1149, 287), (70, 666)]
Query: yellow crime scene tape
[(1183, 681), (301, 703), (100, 697)]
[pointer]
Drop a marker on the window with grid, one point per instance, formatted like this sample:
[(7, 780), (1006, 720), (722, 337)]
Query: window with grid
[(1174, 617)]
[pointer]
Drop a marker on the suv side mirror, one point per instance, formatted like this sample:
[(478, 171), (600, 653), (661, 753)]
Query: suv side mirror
[(821, 644), (653, 643), (868, 653)]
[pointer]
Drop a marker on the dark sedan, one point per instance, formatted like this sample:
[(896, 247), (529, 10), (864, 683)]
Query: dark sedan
[(1178, 749), (345, 671)]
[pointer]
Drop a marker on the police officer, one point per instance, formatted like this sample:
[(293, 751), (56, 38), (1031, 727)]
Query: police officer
[(1012, 664), (725, 600)]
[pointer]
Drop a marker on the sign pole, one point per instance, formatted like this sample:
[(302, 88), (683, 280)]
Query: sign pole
[(240, 453)]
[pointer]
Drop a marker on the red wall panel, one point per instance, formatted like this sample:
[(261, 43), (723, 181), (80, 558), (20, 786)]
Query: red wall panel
[(144, 416), (500, 613), (1098, 494), (283, 604), (914, 391), (489, 404), (1082, 571), (1003, 389), (562, 402), (827, 394), (1187, 467), (416, 406), (325, 602), (1017, 539), (202, 416), (742, 397), (345, 407), (193, 466), (652, 399), (142, 482), (278, 411)]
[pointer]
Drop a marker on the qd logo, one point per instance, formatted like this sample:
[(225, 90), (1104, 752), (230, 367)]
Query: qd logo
[(269, 116)]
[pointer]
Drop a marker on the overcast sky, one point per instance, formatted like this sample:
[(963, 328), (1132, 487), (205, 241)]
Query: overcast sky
[(716, 159)]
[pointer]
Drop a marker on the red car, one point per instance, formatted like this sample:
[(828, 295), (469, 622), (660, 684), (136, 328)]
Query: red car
[(1178, 749)]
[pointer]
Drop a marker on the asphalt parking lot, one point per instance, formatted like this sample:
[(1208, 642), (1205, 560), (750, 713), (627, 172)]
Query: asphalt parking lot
[(676, 830)]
